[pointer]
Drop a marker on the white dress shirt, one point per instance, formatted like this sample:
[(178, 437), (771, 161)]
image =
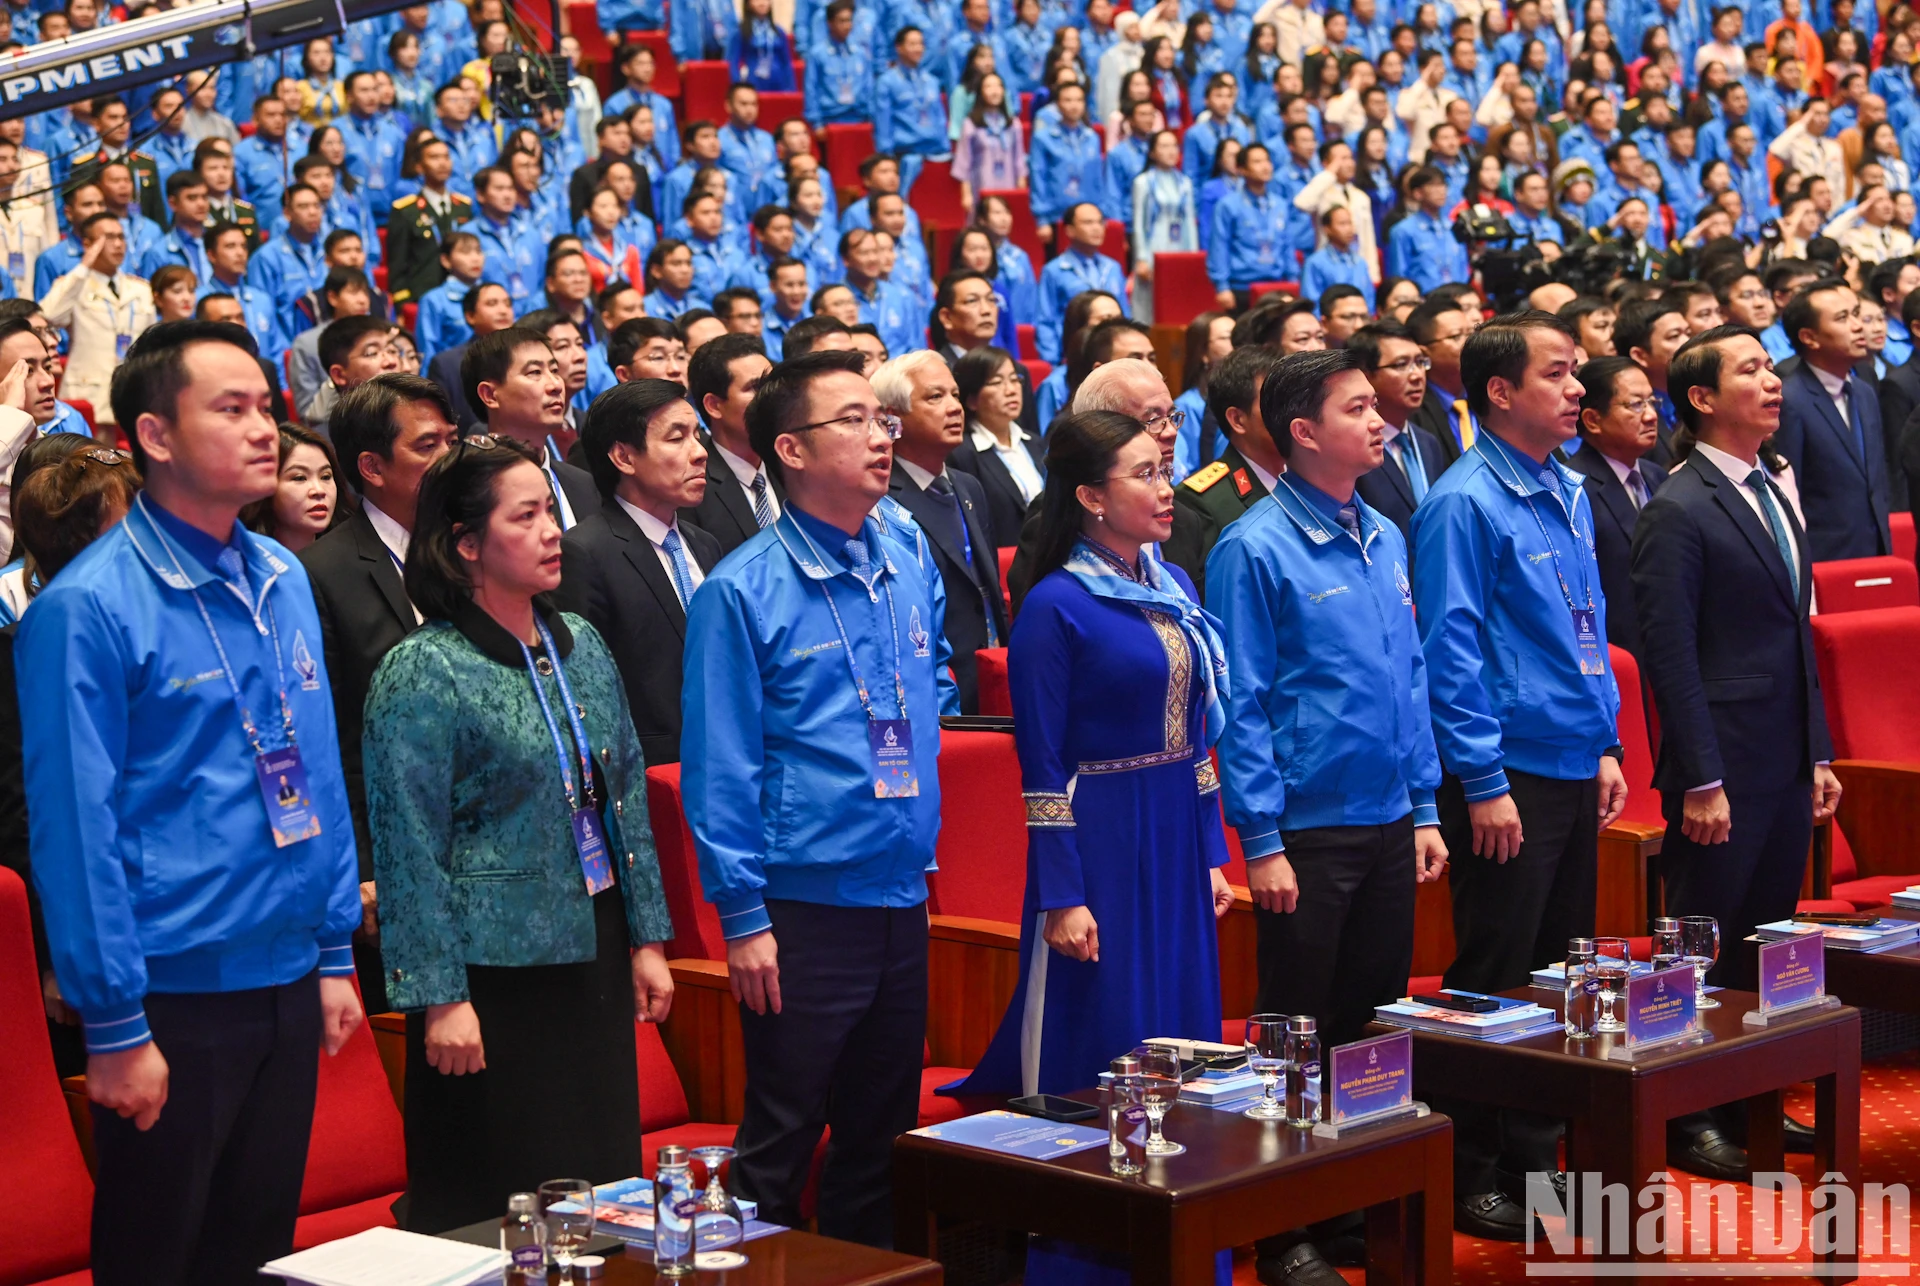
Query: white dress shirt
[(1019, 461), (1836, 387), (396, 538), (656, 532), (745, 473), (1637, 491)]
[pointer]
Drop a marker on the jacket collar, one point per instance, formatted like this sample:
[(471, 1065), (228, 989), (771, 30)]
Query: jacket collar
[(1521, 475), (175, 568), (1306, 514), (819, 563), (492, 641)]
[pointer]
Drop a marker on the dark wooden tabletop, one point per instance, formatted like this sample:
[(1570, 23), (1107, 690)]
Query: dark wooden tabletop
[(783, 1259)]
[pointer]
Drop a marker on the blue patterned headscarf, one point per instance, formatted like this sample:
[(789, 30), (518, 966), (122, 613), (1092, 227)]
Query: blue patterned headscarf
[(1101, 573)]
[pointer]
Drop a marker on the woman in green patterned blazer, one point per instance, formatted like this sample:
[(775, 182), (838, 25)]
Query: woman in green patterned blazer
[(521, 913)]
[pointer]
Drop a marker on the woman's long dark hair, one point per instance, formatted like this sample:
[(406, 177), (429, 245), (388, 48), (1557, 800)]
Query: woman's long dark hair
[(1080, 452), (971, 372), (458, 495), (258, 516)]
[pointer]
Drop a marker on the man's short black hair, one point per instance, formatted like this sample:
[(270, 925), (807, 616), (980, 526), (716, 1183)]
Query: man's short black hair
[(724, 301), (1697, 365), (545, 319), (488, 359), (362, 420), (1782, 271), (631, 335), (781, 398), (683, 324), (711, 369), (1365, 342), (610, 292), (1340, 290), (805, 333), (1502, 348), (180, 180), (1097, 348), (621, 414), (155, 371), (1633, 324), (470, 302), (342, 336), (1800, 314), (1296, 389), (1233, 383), (1885, 278)]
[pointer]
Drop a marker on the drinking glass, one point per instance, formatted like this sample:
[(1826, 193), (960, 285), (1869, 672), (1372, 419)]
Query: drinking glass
[(1160, 1086), (717, 1225), (1267, 1055), (1700, 944), (567, 1207), (1612, 961)]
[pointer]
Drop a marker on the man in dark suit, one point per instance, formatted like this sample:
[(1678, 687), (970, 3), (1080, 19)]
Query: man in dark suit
[(1211, 499), (1651, 331), (1397, 368), (1442, 328), (632, 566), (1899, 397), (966, 316), (739, 498), (1619, 427), (488, 308), (949, 506), (513, 382), (1722, 577), (386, 431), (1830, 426)]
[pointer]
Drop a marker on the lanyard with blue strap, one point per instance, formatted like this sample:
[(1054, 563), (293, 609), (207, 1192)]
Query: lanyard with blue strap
[(280, 773), (589, 837), (1586, 631)]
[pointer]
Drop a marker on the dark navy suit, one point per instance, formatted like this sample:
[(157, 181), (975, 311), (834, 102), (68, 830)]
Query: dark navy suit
[(1387, 489), (1839, 464), (1613, 520)]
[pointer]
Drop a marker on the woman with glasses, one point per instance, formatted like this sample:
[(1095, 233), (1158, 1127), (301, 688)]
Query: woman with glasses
[(1118, 681), (522, 919)]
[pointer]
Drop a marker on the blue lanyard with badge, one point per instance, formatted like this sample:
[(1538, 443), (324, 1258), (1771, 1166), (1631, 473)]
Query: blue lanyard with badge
[(280, 773), (1586, 630), (589, 836), (890, 740)]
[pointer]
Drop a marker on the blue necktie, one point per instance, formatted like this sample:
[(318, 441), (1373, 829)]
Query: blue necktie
[(677, 555), (233, 566), (1407, 452), (1777, 524), (1853, 420), (1350, 520), (859, 563)]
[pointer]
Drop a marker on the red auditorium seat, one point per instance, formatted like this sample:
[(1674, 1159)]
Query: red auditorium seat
[(666, 68), (1025, 233), (936, 195), (41, 1160), (1628, 846), (991, 667), (380, 277), (409, 315), (698, 924), (1115, 246), (583, 23), (1026, 335), (1859, 584), (1902, 532), (1873, 713), (982, 853), (663, 1103), (1037, 371), (847, 146), (703, 92), (777, 106), (86, 411), (357, 1152), (1260, 289), (1181, 290)]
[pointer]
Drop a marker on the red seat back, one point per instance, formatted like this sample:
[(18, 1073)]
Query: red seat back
[(1181, 291), (779, 105), (663, 1100), (1859, 584), (983, 828), (1114, 247), (936, 195), (990, 665), (41, 1159), (703, 93), (1028, 337), (358, 1149), (1260, 289), (1643, 802), (666, 68), (847, 146), (1025, 232), (1872, 696), (583, 21), (1902, 533), (695, 922), (1037, 371)]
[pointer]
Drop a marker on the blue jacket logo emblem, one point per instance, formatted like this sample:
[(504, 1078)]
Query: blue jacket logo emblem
[(1401, 583), (304, 665), (917, 634)]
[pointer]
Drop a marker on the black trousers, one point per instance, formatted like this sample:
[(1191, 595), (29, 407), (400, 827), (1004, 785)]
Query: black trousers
[(1509, 919), (1751, 879), (844, 1051), (211, 1192), (1348, 944)]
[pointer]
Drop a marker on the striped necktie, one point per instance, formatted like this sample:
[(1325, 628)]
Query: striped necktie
[(762, 507)]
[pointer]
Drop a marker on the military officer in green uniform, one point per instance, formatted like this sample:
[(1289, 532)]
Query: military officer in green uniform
[(1212, 497), (421, 223)]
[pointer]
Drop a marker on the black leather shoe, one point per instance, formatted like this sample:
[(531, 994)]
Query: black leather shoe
[(1494, 1216), (1515, 1185), (1348, 1250), (1299, 1265), (1796, 1137), (1709, 1153)]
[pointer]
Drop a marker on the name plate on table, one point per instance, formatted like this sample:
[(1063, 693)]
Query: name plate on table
[(1660, 1013), (1793, 981), (1372, 1082)]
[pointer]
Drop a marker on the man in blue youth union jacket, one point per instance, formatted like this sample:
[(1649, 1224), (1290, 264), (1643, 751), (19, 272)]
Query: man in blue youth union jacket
[(816, 674), (195, 854), (1513, 622), (1328, 760)]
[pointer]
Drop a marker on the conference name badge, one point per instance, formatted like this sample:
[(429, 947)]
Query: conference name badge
[(891, 741), (1586, 637), (590, 841), (283, 786)]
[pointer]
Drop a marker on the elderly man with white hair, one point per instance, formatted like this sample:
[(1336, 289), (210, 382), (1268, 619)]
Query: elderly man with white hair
[(949, 506)]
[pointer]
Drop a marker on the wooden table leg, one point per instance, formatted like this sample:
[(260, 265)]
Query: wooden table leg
[(1430, 1216), (1647, 1126), (1389, 1245), (913, 1223), (1836, 1125), (1766, 1133)]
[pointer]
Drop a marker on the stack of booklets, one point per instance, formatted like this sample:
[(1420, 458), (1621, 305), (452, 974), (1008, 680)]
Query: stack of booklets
[(1908, 899), (1881, 935), (1513, 1020), (624, 1209), (389, 1257)]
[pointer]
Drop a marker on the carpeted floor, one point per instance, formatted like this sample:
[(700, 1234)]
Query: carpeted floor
[(1889, 1154)]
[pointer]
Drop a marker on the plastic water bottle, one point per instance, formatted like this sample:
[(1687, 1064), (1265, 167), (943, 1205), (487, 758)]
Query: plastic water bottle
[(523, 1238), (674, 1205), (1303, 1071)]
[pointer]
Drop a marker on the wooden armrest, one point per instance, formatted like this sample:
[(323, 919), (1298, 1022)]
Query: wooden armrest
[(75, 1089), (1621, 901), (972, 968), (702, 1036), (710, 974), (1001, 934), (1880, 813), (1238, 935), (390, 1038)]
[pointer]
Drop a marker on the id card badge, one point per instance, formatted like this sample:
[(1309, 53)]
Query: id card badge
[(16, 264), (590, 840), (283, 785), (121, 343), (892, 743), (1586, 637)]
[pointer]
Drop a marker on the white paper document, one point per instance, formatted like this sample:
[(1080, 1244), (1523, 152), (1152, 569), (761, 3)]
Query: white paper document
[(389, 1257)]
